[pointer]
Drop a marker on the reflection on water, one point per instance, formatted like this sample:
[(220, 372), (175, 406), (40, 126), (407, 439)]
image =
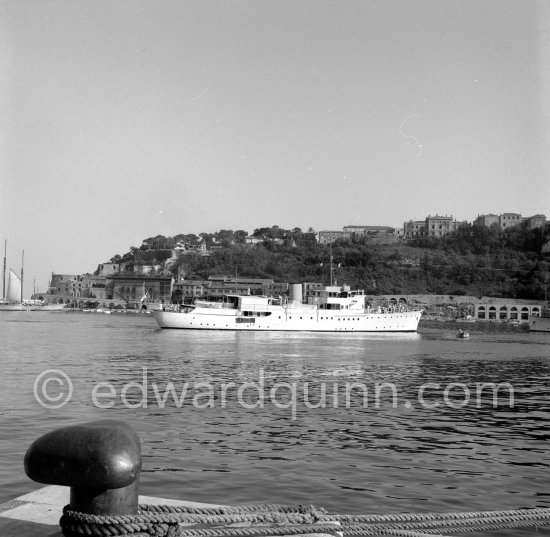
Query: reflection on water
[(370, 455)]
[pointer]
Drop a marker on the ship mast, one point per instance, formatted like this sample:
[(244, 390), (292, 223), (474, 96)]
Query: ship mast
[(22, 260), (331, 268), (4, 278)]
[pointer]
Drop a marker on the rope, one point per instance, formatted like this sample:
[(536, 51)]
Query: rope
[(282, 520)]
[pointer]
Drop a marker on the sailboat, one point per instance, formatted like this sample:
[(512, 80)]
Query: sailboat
[(12, 299), (12, 296)]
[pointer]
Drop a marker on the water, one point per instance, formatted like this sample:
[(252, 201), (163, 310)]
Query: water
[(434, 454)]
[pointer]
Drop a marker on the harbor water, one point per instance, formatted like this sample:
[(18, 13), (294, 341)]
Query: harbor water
[(358, 423)]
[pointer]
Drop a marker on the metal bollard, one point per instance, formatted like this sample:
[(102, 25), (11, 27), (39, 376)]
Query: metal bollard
[(99, 460)]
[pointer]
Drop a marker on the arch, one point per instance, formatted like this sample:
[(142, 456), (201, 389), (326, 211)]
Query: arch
[(393, 301), (513, 313), (402, 300), (535, 310), (524, 313), (492, 312), (503, 312), (481, 312)]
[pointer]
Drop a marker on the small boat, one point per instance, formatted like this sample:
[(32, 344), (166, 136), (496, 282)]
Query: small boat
[(47, 307), (462, 335)]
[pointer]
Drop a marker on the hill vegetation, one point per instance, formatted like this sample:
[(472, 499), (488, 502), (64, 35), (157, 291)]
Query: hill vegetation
[(475, 261)]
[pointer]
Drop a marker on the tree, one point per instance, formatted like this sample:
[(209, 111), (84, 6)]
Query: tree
[(240, 236)]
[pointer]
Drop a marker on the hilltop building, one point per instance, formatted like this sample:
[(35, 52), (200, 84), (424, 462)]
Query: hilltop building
[(508, 220), (254, 240), (328, 237), (144, 268), (536, 221), (432, 226), (363, 231), (106, 269), (413, 229), (486, 220), (439, 226)]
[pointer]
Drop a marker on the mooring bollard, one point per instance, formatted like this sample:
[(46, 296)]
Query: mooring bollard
[(99, 460)]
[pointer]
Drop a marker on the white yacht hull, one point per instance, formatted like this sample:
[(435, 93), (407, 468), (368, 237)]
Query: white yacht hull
[(297, 320)]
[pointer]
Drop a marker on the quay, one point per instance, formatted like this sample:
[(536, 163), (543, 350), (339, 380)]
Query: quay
[(37, 513)]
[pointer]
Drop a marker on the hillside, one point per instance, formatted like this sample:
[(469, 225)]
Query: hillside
[(477, 261)]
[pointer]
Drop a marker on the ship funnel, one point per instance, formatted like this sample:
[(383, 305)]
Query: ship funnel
[(295, 292)]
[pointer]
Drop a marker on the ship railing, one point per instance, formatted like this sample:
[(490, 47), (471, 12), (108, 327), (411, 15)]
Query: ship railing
[(392, 308), (252, 307), (206, 304)]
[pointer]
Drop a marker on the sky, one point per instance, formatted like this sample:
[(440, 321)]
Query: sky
[(129, 119)]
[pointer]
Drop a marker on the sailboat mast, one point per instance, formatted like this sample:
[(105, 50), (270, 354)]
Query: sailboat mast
[(22, 262), (4, 277)]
